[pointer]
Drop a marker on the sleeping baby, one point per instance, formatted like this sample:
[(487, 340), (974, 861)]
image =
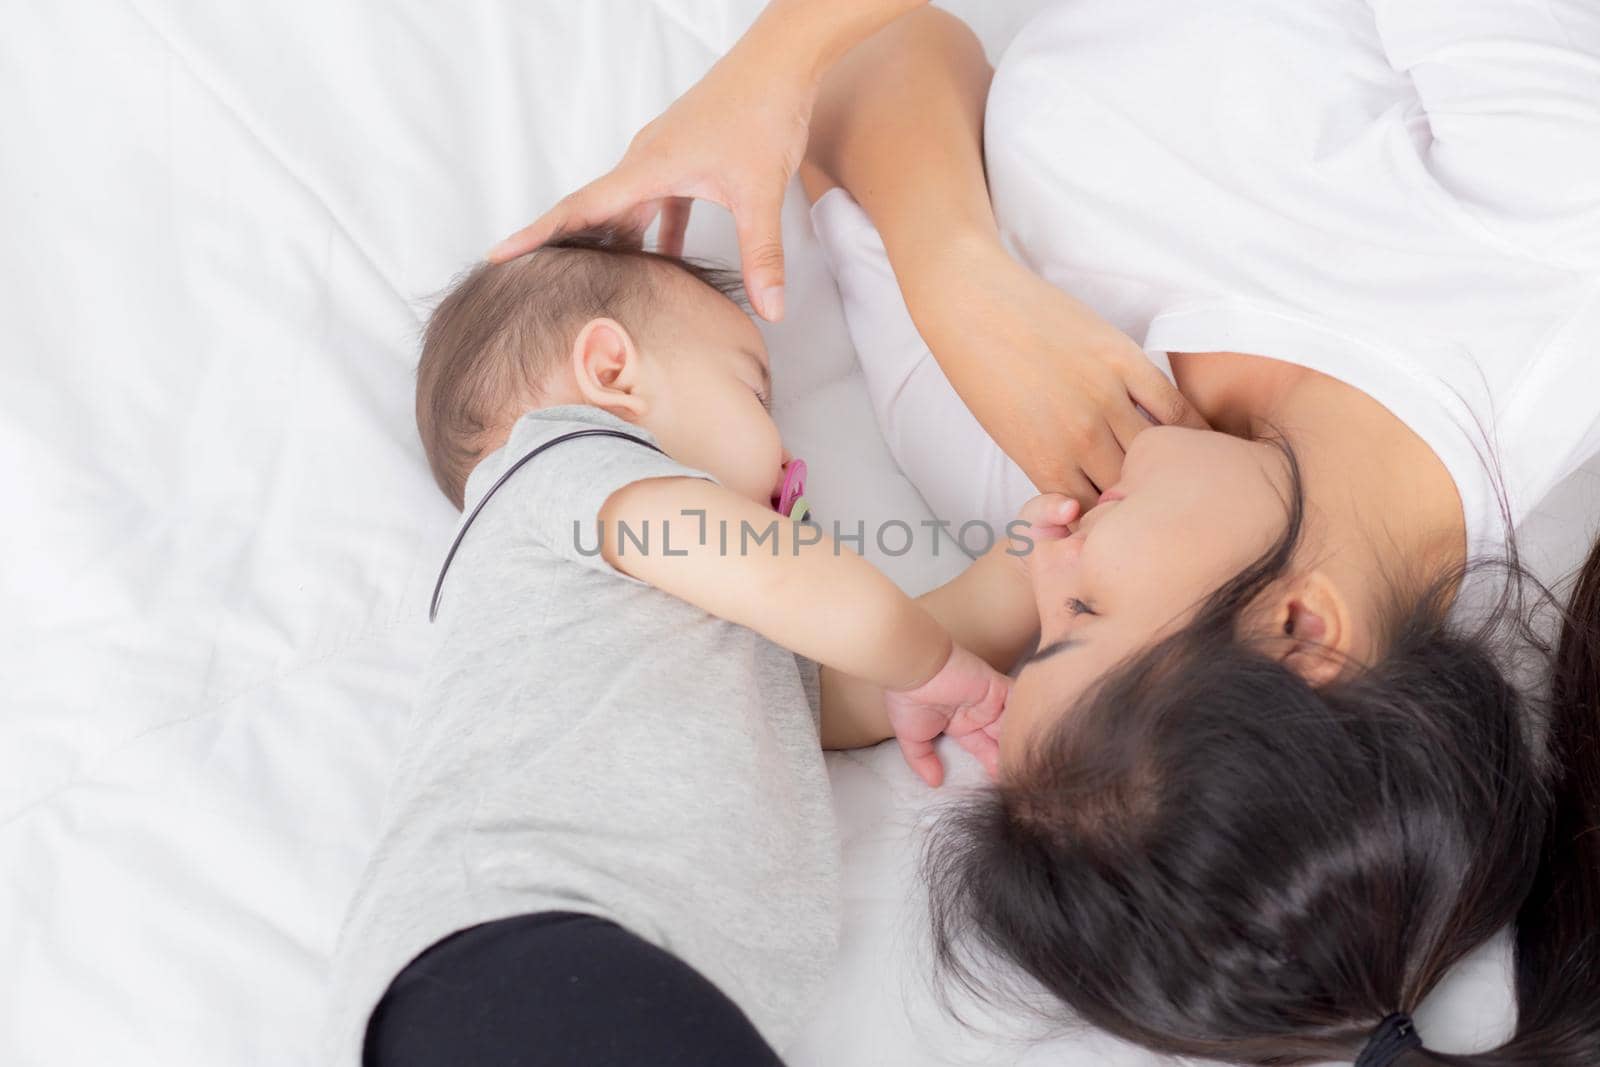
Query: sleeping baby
[(610, 837)]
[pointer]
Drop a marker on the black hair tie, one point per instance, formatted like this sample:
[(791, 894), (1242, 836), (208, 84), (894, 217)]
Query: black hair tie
[(1395, 1036)]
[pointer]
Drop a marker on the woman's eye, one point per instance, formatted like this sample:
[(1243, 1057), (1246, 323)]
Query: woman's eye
[(1078, 607)]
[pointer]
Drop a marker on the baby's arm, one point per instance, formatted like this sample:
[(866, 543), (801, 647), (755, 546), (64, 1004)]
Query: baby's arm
[(987, 608), (795, 587)]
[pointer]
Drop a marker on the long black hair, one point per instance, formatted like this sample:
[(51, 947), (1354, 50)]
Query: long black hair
[(1558, 929), (1209, 856)]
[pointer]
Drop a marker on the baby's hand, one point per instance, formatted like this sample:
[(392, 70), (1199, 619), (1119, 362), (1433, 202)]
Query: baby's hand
[(965, 700), (1047, 516)]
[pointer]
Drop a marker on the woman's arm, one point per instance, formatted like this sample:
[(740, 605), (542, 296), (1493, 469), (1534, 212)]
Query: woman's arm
[(899, 123), (814, 34), (734, 138)]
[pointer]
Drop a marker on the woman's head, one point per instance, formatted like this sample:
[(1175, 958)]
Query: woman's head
[(1193, 509), (1214, 853)]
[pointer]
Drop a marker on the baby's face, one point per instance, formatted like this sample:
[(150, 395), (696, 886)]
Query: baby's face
[(711, 390)]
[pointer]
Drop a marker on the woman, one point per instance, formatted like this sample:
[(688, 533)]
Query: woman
[(1259, 790)]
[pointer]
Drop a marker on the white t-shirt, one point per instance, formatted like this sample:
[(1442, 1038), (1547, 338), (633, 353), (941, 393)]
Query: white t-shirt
[(1402, 194)]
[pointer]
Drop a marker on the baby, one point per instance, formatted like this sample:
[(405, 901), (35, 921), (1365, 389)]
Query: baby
[(610, 836)]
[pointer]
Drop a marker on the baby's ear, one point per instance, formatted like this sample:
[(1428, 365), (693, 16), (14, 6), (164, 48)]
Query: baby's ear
[(1313, 628), (606, 366)]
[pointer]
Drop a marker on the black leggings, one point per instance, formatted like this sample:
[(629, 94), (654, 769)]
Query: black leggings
[(557, 989)]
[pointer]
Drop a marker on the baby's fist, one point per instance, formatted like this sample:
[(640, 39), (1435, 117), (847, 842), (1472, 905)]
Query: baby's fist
[(965, 700)]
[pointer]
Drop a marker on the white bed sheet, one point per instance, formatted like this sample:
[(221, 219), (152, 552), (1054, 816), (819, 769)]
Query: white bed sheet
[(224, 222)]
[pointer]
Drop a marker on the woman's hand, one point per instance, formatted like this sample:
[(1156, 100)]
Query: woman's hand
[(964, 699), (899, 124), (1057, 387), (735, 139)]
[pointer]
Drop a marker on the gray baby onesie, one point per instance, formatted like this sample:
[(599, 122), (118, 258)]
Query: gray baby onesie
[(585, 742)]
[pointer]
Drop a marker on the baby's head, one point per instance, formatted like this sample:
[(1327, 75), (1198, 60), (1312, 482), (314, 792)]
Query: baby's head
[(588, 319)]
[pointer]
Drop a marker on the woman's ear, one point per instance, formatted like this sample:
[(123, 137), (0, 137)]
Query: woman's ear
[(606, 367), (1313, 620)]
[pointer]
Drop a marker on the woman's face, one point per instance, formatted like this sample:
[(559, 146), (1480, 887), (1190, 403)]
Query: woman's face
[(1193, 509)]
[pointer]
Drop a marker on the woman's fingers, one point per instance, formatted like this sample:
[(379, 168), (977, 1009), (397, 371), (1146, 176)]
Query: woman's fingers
[(528, 238), (1153, 392), (600, 201), (1126, 422), (1078, 486), (759, 221), (1102, 463), (633, 223), (674, 225)]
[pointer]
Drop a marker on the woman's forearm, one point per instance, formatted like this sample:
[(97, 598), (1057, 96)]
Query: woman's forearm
[(816, 33), (899, 123)]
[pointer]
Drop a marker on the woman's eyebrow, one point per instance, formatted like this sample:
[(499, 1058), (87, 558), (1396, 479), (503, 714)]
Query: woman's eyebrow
[(1046, 651)]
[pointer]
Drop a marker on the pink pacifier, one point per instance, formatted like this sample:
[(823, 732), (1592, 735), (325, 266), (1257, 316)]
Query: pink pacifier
[(790, 501)]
